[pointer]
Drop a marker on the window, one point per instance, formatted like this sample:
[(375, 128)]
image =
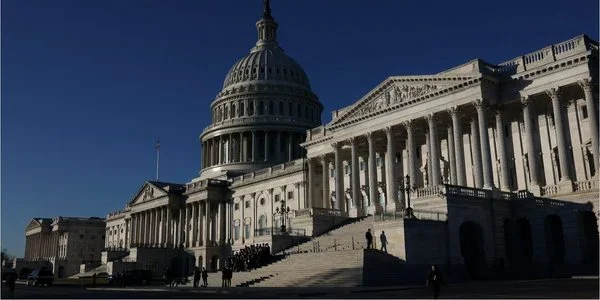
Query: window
[(247, 230), (242, 112), (346, 169), (280, 108), (247, 204), (277, 198), (379, 161), (262, 222), (270, 108), (261, 108), (506, 131), (290, 195), (251, 108), (233, 110), (299, 110), (236, 232), (262, 201), (584, 112), (237, 206)]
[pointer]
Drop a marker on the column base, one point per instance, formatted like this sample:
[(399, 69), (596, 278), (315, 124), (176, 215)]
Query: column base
[(536, 190), (356, 212), (374, 209), (565, 186), (394, 206)]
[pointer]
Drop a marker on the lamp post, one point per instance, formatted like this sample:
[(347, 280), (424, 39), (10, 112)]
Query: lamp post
[(284, 211), (408, 188)]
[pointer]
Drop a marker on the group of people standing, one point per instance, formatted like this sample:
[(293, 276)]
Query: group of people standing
[(250, 257), (198, 274), (382, 238)]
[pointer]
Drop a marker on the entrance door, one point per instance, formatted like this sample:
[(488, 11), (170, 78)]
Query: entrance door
[(472, 249)]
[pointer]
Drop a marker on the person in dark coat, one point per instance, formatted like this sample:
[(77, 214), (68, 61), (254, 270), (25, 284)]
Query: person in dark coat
[(11, 281), (204, 277), (435, 280), (369, 238), (384, 241), (196, 276), (223, 277)]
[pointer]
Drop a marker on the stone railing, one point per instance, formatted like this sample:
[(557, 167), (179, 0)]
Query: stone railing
[(418, 214), (579, 186), (316, 211), (427, 191), (546, 55), (259, 119), (550, 190), (524, 194), (466, 191), (203, 183), (316, 133), (294, 164)]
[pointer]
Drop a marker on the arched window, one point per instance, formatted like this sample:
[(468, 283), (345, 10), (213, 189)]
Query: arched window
[(280, 108), (242, 112), (251, 108), (262, 225), (299, 110), (290, 109), (270, 107), (261, 108), (233, 110)]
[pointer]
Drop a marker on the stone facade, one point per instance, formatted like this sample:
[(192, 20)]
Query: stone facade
[(500, 156), (63, 243)]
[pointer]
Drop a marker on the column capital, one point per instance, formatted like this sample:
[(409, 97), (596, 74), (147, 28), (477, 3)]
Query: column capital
[(526, 100), (352, 140), (336, 145), (430, 117), (388, 130), (453, 111), (369, 136), (586, 84), (498, 109), (481, 104), (554, 93), (323, 158)]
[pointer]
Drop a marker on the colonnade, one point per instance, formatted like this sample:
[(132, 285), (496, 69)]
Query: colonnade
[(476, 114), (41, 245), (252, 146), (200, 223)]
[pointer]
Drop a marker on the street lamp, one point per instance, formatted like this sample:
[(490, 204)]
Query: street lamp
[(284, 211), (408, 188)]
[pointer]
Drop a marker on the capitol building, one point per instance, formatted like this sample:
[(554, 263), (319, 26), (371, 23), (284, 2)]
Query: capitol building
[(484, 169)]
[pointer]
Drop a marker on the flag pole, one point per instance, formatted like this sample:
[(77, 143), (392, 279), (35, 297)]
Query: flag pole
[(157, 157)]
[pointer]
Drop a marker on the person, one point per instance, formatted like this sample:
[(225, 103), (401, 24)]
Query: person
[(369, 238), (94, 279), (121, 279), (11, 282), (204, 277), (229, 276), (435, 280), (223, 277), (384, 241), (196, 276)]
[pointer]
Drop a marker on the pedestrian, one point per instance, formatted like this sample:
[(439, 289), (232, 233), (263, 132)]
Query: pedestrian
[(122, 279), (204, 277), (435, 280), (94, 279), (224, 277), (369, 238), (196, 276), (384, 241), (11, 282), (229, 276)]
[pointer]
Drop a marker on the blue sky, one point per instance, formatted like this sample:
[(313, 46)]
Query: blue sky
[(88, 86)]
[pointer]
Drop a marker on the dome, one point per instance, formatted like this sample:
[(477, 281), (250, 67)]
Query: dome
[(266, 63)]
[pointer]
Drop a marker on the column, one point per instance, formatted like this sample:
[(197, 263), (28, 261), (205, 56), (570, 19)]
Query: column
[(411, 151), (193, 224), (290, 147), (253, 146), (169, 226), (180, 237), (476, 150), (451, 156), (505, 175), (355, 176), (267, 146), (563, 155), (311, 183), (325, 182), (339, 177), (484, 141), (461, 175), (186, 224), (199, 226), (150, 228), (222, 223), (278, 147), (241, 149), (372, 172), (390, 171), (433, 148), (207, 224), (532, 155), (587, 86), (135, 230)]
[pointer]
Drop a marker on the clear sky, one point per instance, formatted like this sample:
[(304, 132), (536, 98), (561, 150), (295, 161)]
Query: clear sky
[(89, 86)]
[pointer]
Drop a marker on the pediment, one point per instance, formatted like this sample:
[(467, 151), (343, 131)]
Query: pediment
[(399, 90), (148, 192), (33, 224)]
